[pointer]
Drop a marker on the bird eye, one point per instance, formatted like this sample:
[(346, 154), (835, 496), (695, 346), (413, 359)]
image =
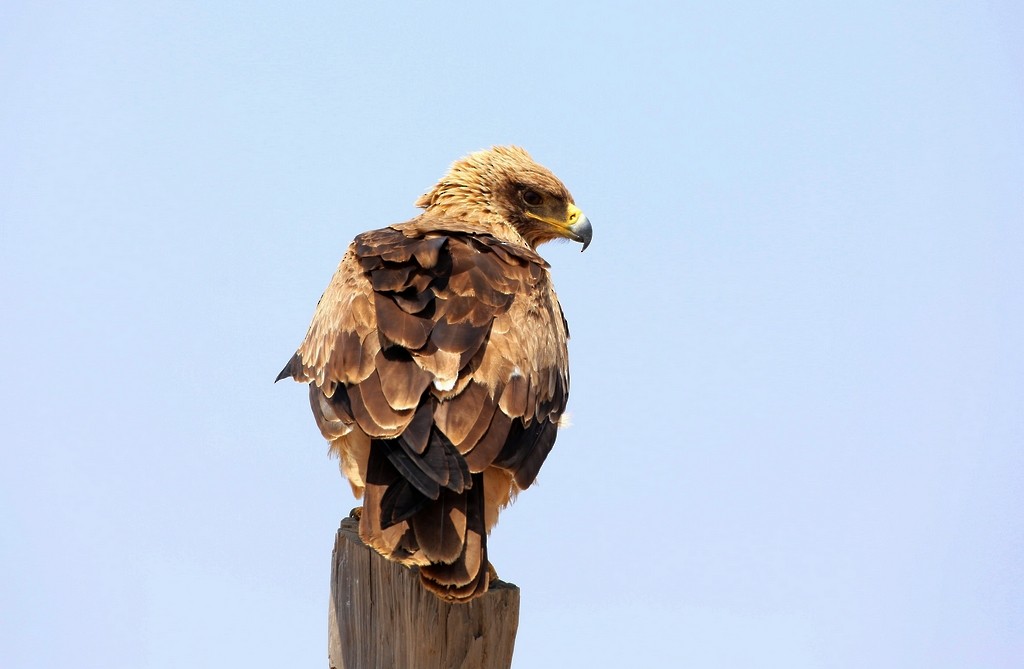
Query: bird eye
[(532, 197)]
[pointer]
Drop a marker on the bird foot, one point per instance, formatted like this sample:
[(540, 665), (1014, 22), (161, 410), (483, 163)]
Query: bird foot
[(356, 513), (492, 573)]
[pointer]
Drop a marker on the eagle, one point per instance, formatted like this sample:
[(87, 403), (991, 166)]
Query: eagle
[(437, 364)]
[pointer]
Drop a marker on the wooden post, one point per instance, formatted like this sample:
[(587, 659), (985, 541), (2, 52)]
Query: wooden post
[(382, 618)]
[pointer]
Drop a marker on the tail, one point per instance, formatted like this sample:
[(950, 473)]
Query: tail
[(410, 518), (467, 577)]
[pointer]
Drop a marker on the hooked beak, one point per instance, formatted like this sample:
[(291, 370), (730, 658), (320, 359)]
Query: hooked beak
[(574, 226), (579, 227)]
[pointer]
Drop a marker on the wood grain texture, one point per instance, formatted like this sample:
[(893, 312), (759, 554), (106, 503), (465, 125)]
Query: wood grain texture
[(381, 616)]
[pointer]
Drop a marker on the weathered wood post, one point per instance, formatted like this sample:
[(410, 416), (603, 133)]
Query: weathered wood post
[(382, 618)]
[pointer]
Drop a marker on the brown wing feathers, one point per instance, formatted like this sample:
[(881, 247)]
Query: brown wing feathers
[(437, 380)]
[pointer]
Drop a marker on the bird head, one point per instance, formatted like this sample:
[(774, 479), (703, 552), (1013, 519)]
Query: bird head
[(504, 186)]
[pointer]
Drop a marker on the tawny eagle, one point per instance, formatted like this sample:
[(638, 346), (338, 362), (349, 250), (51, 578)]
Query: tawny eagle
[(437, 363)]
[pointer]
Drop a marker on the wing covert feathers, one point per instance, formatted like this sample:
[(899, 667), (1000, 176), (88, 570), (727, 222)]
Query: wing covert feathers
[(438, 371)]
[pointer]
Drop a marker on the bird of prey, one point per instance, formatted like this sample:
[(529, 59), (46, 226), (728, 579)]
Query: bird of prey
[(437, 364)]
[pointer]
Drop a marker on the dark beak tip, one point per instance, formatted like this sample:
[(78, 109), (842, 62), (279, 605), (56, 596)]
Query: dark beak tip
[(584, 232)]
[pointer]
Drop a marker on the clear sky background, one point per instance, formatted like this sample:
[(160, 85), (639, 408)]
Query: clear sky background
[(798, 378)]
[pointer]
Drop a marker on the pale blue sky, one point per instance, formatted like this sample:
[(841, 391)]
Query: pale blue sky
[(798, 378)]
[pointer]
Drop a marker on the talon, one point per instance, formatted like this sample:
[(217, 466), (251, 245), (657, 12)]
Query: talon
[(492, 573), (356, 513)]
